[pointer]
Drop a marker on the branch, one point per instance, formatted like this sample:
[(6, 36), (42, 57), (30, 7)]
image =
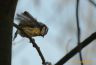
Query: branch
[(76, 49), (92, 2), (33, 42), (78, 30)]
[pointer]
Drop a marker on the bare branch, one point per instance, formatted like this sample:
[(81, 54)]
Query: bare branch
[(76, 49), (78, 30), (91, 1)]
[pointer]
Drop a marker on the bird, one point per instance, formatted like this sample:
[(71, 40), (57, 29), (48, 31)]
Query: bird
[(30, 26)]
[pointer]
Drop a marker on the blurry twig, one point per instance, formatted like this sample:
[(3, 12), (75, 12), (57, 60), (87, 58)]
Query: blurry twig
[(78, 30), (91, 1), (33, 42), (77, 49)]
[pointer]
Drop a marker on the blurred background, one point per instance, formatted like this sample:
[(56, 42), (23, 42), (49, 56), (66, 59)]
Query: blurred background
[(60, 17)]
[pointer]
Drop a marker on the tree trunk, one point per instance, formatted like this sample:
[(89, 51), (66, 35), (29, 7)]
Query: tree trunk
[(7, 10)]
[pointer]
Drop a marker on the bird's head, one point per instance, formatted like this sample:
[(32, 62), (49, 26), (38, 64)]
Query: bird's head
[(44, 30)]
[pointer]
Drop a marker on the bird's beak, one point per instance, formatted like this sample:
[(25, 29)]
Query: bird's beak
[(42, 36)]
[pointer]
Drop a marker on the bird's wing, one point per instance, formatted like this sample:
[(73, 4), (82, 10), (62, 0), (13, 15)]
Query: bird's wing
[(29, 16), (27, 19), (22, 17)]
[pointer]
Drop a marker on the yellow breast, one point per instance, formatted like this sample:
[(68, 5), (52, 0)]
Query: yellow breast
[(32, 31)]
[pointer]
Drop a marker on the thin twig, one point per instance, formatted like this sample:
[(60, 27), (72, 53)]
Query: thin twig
[(91, 1), (77, 49), (78, 30), (33, 42)]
